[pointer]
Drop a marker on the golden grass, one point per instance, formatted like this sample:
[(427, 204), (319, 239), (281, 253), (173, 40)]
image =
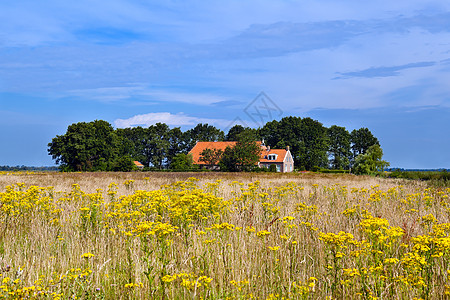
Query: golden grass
[(221, 235)]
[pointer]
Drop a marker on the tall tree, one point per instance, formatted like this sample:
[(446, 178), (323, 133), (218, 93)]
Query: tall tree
[(247, 151), (339, 147), (290, 133), (132, 143), (271, 133), (236, 130), (233, 132), (89, 146), (314, 144), (211, 156), (136, 143), (159, 144), (244, 156), (182, 161), (370, 161), (361, 140), (307, 139), (203, 133), (228, 162), (176, 144)]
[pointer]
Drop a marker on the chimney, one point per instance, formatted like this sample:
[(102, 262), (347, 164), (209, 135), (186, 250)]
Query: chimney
[(268, 148), (287, 148)]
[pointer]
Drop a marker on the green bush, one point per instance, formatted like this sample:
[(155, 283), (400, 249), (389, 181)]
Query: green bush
[(273, 168), (315, 169), (333, 171), (421, 175), (123, 164), (260, 169)]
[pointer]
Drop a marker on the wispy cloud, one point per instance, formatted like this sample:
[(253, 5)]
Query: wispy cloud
[(281, 38), (179, 119), (149, 95), (384, 71), (228, 103), (107, 94), (108, 35)]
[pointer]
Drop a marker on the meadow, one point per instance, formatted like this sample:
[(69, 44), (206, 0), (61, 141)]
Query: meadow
[(222, 236)]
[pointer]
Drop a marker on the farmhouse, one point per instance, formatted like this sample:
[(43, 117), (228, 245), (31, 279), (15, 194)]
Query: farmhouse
[(281, 158)]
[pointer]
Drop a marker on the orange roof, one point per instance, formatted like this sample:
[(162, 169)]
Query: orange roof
[(138, 164), (200, 146), (281, 154)]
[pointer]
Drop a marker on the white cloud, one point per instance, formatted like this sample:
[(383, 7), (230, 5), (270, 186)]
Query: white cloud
[(179, 119)]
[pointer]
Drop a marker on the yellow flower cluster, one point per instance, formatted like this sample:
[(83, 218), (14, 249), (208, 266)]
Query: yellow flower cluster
[(188, 280)]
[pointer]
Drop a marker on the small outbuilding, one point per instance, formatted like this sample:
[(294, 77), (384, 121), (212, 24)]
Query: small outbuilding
[(138, 164)]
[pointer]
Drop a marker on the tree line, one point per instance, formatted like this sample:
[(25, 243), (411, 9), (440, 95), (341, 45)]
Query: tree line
[(97, 146), (27, 168)]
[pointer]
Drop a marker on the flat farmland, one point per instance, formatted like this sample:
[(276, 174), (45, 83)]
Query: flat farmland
[(222, 236)]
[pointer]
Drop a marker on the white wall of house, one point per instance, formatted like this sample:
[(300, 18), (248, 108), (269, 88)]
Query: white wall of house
[(288, 162)]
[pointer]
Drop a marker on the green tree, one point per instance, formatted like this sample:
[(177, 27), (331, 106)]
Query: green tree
[(361, 140), (244, 156), (290, 132), (176, 144), (233, 132), (236, 130), (202, 133), (89, 146), (155, 145), (159, 144), (182, 161), (339, 147), (123, 164), (211, 156), (314, 144), (271, 133), (307, 139), (135, 142), (247, 151), (370, 162), (228, 162)]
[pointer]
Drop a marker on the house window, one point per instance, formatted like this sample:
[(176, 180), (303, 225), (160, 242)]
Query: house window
[(272, 157)]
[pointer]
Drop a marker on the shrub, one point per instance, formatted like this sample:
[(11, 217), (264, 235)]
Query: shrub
[(273, 168)]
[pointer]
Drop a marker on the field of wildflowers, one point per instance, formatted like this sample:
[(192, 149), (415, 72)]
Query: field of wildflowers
[(222, 236)]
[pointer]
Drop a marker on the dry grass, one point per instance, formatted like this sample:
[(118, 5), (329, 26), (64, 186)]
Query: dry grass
[(249, 235), (89, 182)]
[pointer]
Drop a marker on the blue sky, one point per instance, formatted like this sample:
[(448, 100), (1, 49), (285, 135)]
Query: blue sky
[(384, 65)]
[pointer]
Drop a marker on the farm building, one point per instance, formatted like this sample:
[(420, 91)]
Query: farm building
[(281, 158), (138, 165)]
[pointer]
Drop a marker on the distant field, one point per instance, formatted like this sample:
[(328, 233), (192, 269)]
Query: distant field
[(222, 236), (442, 177)]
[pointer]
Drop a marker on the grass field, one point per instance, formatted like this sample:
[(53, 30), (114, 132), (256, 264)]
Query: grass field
[(222, 236)]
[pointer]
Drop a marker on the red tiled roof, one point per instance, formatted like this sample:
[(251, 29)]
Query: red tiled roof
[(281, 154), (138, 164), (200, 146)]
